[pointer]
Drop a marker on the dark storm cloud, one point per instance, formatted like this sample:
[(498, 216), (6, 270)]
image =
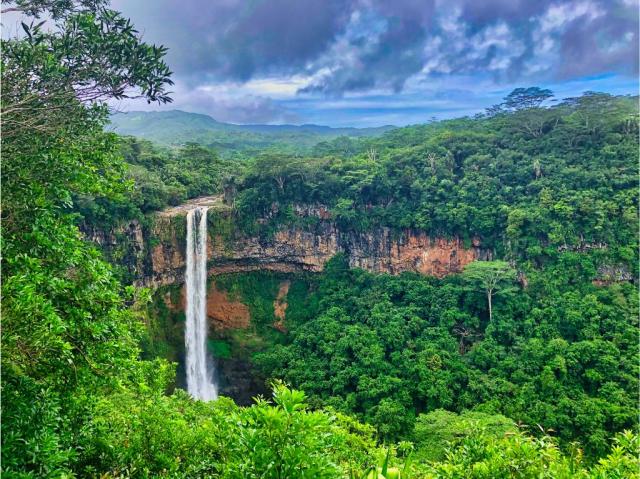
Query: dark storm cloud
[(602, 37), (279, 35), (609, 43), (382, 47), (239, 39), (358, 45)]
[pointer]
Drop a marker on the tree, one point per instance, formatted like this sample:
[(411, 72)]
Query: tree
[(290, 442), (594, 111), (434, 430), (520, 99), (537, 168), (92, 54), (55, 8), (491, 277), (526, 98), (67, 335)]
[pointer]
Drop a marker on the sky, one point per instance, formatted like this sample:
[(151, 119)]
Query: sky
[(378, 62)]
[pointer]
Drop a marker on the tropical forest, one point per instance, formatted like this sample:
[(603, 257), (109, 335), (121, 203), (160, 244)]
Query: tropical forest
[(201, 280)]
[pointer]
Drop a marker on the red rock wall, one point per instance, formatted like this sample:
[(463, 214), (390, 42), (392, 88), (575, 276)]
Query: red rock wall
[(295, 249)]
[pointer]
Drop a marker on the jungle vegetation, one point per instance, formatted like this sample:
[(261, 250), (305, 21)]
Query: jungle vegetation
[(402, 376)]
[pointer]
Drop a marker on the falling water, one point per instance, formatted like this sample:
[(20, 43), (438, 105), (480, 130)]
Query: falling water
[(200, 382)]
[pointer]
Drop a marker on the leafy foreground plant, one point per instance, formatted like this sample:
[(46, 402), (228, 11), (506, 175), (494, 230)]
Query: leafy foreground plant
[(385, 471), (148, 434), (520, 456), (515, 455), (142, 433)]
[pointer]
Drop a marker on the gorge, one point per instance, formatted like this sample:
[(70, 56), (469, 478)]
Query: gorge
[(190, 248), (453, 298), (157, 255)]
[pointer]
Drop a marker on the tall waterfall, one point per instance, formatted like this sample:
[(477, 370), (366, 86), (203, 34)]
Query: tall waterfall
[(200, 382)]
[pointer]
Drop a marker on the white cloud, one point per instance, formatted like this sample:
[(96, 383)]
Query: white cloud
[(559, 15)]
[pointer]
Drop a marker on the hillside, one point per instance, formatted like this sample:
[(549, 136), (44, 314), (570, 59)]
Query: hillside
[(437, 209), (175, 127)]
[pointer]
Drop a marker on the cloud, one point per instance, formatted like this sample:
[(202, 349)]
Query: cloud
[(381, 47), (237, 39), (242, 109), (248, 52), (224, 103), (356, 45)]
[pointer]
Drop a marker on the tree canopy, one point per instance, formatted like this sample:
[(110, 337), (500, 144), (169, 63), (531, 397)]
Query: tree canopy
[(543, 383)]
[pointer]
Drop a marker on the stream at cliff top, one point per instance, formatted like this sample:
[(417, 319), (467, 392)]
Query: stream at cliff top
[(199, 364)]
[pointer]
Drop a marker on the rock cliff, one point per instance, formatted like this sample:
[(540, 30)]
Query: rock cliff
[(154, 256)]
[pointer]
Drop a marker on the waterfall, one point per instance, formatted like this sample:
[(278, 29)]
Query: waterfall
[(200, 383)]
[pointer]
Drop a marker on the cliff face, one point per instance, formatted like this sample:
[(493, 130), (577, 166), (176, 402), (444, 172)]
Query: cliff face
[(223, 312), (154, 255), (124, 246), (297, 248)]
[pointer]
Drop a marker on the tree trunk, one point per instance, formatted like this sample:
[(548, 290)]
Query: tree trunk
[(489, 294)]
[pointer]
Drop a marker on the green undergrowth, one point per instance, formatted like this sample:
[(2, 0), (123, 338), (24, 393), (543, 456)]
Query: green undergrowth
[(258, 291), (164, 332), (164, 327)]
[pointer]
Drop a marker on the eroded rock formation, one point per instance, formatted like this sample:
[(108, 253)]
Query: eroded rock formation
[(297, 248), (223, 311), (154, 255)]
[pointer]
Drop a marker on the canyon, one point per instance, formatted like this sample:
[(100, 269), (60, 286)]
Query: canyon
[(151, 253)]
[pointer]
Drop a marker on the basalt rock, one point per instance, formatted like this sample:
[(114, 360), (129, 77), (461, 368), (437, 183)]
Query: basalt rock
[(156, 255), (153, 255)]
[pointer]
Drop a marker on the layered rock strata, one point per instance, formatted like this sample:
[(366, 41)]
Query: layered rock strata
[(154, 255)]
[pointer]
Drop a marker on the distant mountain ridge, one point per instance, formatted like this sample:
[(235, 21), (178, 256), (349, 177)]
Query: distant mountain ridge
[(176, 126)]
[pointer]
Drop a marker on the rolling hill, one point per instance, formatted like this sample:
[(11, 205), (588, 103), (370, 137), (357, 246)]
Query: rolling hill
[(175, 127)]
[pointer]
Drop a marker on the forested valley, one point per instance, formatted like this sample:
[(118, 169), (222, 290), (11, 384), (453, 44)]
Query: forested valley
[(521, 362)]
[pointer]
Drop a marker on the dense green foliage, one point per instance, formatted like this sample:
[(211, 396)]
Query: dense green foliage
[(553, 190), (561, 353), (435, 362), (570, 184), (148, 434), (161, 177), (67, 337), (435, 430), (482, 457)]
